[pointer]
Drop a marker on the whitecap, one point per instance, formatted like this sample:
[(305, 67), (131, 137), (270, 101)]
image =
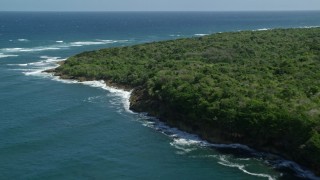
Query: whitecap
[(263, 29), (61, 45), (66, 81), (22, 70), (185, 142), (49, 59), (22, 64), (309, 27), (87, 43), (12, 49), (33, 72), (184, 145), (23, 40), (200, 34), (7, 55), (106, 41), (29, 49), (17, 64), (37, 68)]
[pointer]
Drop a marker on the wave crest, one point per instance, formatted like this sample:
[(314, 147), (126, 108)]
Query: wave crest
[(7, 55)]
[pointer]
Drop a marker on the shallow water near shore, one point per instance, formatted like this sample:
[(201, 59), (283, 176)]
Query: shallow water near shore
[(64, 129)]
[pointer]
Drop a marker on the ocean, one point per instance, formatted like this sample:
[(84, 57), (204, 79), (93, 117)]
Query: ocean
[(62, 129)]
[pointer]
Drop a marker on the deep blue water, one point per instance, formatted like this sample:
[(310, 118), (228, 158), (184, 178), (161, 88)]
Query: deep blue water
[(53, 129)]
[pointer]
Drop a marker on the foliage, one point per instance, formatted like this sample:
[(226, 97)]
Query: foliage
[(262, 85)]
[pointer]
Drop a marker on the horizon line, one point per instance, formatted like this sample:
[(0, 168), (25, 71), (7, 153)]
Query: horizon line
[(158, 11)]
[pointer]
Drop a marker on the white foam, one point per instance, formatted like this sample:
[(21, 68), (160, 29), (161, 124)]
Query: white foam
[(266, 29), (60, 45), (23, 40), (34, 72), (179, 138), (30, 49), (310, 27), (7, 55), (125, 95), (106, 41), (51, 59), (22, 64), (12, 49), (92, 99), (182, 141), (66, 81), (37, 68), (17, 64), (48, 57), (186, 143), (23, 70), (48, 62), (223, 161), (87, 43), (200, 34), (263, 29), (40, 49)]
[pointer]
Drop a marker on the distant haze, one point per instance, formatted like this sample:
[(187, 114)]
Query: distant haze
[(158, 5)]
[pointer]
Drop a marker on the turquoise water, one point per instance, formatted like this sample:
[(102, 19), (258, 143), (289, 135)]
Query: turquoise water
[(56, 129)]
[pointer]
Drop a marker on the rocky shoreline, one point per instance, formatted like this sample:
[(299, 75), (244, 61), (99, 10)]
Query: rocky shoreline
[(141, 102), (246, 87)]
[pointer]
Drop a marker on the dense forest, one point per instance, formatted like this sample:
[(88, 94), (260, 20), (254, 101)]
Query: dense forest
[(260, 88)]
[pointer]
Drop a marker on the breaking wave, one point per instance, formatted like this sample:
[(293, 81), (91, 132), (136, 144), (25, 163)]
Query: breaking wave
[(48, 62), (23, 40), (17, 50), (186, 143), (7, 55), (60, 45), (223, 161), (201, 34)]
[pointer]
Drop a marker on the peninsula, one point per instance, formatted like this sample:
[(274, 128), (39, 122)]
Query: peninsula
[(259, 88)]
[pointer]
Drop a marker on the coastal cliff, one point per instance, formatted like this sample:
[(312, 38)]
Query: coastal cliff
[(260, 88)]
